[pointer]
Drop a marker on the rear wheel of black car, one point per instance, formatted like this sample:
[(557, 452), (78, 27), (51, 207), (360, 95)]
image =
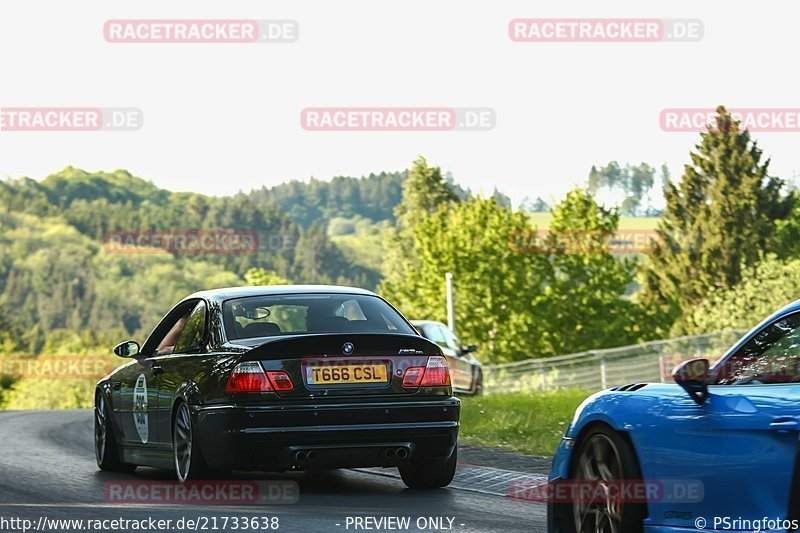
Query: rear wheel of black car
[(106, 449), (604, 459), (188, 458), (429, 473)]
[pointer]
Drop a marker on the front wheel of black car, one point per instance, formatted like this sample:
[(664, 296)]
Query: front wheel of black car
[(604, 459), (429, 473), (188, 458), (106, 449)]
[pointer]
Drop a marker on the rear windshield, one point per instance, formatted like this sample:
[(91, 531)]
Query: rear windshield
[(297, 314)]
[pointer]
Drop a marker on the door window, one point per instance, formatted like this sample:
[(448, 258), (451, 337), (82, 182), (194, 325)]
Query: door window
[(434, 332), (452, 341), (190, 338), (771, 356)]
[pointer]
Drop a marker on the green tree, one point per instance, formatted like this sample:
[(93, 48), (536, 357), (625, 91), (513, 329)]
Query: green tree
[(585, 290), (764, 288), (787, 239), (717, 220), (424, 192), (262, 276), (496, 287)]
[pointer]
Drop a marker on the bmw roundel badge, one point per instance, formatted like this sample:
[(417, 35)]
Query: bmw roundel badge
[(348, 348)]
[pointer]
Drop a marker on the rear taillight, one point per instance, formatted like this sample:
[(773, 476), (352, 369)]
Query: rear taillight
[(434, 374), (250, 377), (413, 376), (281, 381)]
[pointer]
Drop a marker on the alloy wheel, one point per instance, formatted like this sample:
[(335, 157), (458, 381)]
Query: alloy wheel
[(100, 428), (600, 465), (182, 442)]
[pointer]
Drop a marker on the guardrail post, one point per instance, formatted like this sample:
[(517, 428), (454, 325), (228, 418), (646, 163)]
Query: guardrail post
[(662, 364), (543, 374), (603, 374)]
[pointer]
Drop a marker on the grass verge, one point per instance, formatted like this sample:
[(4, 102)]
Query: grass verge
[(530, 423)]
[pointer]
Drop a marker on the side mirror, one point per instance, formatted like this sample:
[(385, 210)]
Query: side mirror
[(469, 349), (693, 376), (127, 349)]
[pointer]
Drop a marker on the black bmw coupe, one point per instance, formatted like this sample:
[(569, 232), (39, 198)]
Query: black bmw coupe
[(280, 378)]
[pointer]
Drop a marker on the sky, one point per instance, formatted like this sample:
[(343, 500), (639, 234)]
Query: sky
[(222, 117)]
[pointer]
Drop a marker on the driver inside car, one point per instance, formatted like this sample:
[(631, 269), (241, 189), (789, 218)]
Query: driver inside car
[(167, 344)]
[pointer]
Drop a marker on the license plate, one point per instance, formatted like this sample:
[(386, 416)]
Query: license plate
[(346, 374)]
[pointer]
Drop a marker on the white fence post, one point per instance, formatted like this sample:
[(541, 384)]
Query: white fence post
[(603, 372), (543, 374), (662, 368)]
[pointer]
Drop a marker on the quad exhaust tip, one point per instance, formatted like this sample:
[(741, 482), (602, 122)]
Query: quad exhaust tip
[(302, 456), (399, 453)]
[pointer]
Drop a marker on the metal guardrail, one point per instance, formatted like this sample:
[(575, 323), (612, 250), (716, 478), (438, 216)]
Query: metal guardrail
[(599, 369)]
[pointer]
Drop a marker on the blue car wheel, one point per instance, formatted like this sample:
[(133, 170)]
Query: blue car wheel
[(604, 461)]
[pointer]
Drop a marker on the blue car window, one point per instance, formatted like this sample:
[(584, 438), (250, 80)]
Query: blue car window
[(772, 356)]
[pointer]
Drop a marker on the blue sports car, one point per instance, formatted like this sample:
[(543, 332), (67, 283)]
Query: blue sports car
[(716, 450)]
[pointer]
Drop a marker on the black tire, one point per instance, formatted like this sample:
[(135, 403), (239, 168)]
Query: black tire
[(429, 473), (602, 454), (106, 448), (187, 457)]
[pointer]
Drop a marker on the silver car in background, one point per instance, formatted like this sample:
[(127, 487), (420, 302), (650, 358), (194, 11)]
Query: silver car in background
[(465, 370)]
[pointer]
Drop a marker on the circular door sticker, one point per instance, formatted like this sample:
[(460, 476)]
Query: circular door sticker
[(140, 418)]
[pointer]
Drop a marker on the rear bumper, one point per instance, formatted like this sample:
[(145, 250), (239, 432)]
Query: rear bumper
[(336, 435)]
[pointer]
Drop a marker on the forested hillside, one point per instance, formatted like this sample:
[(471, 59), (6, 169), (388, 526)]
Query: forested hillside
[(58, 281), (373, 197)]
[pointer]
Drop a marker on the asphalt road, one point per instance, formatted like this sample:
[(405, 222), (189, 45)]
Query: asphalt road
[(47, 469)]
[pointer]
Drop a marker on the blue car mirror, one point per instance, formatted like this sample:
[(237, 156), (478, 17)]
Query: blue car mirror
[(693, 375)]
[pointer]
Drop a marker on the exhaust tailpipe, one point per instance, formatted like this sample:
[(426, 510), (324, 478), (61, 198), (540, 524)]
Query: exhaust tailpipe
[(402, 453)]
